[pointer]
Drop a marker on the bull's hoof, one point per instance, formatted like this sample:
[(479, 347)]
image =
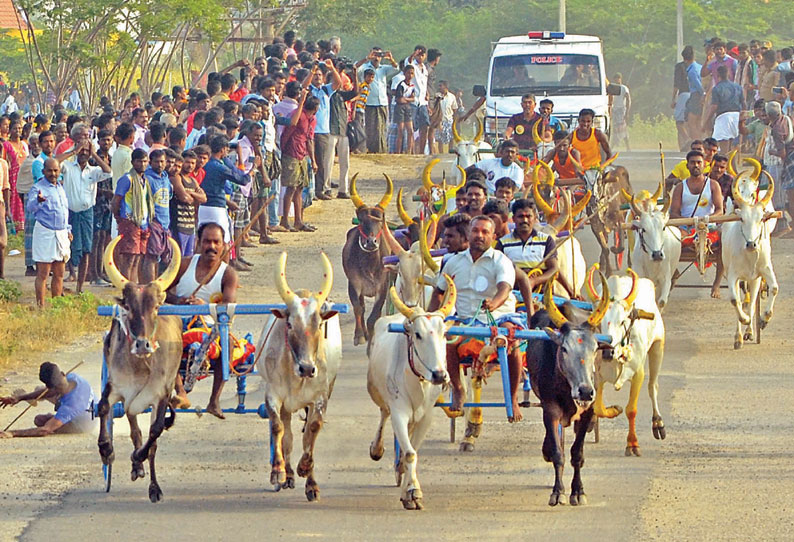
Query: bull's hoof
[(305, 466), (106, 453), (578, 498), (748, 337), (466, 446), (633, 450), (765, 318), (737, 345), (413, 500), (289, 483), (359, 338), (155, 493), (277, 479), (556, 498), (658, 428), (376, 451), (137, 471), (312, 493)]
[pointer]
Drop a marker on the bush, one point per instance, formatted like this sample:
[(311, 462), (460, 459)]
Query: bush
[(10, 291), (647, 133)]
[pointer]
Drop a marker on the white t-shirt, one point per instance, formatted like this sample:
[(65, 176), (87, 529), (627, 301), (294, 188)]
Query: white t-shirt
[(495, 170), (449, 104), (80, 184), (420, 80)]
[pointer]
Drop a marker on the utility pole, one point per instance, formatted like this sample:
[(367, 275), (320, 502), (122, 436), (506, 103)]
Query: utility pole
[(679, 27), (562, 15)]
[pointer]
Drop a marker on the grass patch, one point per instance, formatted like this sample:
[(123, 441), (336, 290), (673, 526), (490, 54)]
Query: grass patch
[(16, 242), (25, 330), (647, 133)]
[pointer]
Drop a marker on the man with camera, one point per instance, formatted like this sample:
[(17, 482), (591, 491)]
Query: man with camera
[(376, 112)]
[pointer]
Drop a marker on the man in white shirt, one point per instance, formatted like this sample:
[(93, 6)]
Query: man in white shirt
[(80, 184), (503, 166), (10, 104), (422, 115), (376, 112), (484, 281), (140, 118)]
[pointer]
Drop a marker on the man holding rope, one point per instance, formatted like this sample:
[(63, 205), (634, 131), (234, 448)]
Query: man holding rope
[(73, 399)]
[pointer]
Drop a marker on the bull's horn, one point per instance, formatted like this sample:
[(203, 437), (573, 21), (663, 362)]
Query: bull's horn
[(769, 191), (405, 217), (480, 130), (455, 134), (657, 194), (626, 195), (384, 201), (666, 206), (328, 278), (581, 204), (424, 246), (629, 299), (354, 197), (635, 209), (462, 178), (396, 248), (737, 195), (112, 270), (576, 163), (610, 160), (448, 305), (590, 287), (756, 165), (404, 309), (536, 137), (731, 156), (427, 182), (287, 295), (549, 173), (600, 311), (561, 222), (443, 209), (167, 277), (548, 212), (551, 308)]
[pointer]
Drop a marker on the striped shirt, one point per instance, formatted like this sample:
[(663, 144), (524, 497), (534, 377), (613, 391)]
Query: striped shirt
[(363, 92), (527, 255)]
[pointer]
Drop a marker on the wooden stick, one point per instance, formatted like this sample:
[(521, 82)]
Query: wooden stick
[(42, 394), (690, 221)]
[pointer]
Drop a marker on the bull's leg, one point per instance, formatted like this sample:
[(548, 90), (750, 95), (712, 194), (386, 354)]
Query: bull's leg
[(473, 416), (278, 474), (736, 298), (598, 406), (578, 496), (376, 446), (377, 308), (155, 493), (768, 275), (399, 422), (357, 300), (137, 441), (749, 307), (286, 445), (715, 286), (655, 358), (148, 450), (314, 422), (104, 441), (553, 450), (632, 444), (418, 434)]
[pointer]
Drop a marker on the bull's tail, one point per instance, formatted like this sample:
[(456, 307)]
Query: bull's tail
[(169, 420)]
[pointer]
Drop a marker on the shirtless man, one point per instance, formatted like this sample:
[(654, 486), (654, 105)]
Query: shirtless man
[(220, 288)]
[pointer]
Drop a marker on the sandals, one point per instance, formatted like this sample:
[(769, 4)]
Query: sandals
[(307, 228)]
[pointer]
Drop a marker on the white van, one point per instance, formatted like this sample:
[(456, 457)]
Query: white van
[(567, 69)]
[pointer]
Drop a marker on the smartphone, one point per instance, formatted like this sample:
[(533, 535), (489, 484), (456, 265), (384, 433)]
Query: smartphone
[(777, 90)]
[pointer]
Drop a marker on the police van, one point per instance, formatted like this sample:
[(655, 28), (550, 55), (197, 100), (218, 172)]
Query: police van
[(568, 69)]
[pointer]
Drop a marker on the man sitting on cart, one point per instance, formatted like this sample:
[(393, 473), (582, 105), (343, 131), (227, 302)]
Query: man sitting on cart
[(221, 287), (699, 196), (484, 280)]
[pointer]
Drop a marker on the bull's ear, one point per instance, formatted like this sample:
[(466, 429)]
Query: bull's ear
[(328, 314), (553, 335), (278, 313)]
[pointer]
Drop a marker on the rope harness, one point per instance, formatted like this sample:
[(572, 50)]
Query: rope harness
[(365, 237), (120, 314)]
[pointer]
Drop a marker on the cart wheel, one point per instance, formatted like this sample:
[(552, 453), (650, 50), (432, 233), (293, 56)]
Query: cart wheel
[(452, 430)]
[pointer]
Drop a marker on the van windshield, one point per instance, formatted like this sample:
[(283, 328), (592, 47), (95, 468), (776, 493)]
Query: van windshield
[(556, 74)]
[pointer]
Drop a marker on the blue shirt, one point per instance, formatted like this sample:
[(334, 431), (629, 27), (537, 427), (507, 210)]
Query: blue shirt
[(37, 167), (377, 90), (693, 78), (162, 192), (217, 173), (323, 114), (53, 212), (77, 402)]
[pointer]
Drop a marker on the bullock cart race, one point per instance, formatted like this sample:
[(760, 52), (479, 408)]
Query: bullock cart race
[(523, 334)]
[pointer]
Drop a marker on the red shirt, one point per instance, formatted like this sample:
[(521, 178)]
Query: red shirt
[(198, 175), (295, 139), (239, 94)]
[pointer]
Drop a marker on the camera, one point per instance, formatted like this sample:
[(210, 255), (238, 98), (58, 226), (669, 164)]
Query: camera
[(380, 54), (777, 90)]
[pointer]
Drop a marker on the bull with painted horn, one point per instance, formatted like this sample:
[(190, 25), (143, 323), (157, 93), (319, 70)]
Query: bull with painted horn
[(362, 260), (468, 149), (142, 353)]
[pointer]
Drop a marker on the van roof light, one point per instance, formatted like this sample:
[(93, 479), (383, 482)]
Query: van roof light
[(545, 35)]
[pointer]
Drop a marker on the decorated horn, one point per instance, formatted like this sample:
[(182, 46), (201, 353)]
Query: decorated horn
[(354, 197), (114, 273), (455, 134), (666, 206), (167, 277), (581, 204), (589, 286), (561, 221), (551, 308), (731, 156), (636, 210), (404, 309), (756, 165), (405, 217), (548, 212), (396, 248), (287, 295), (626, 195), (769, 191), (384, 201), (328, 279), (448, 305), (610, 160), (424, 246), (737, 195), (427, 182), (632, 295), (600, 311), (576, 163), (658, 194), (536, 133), (462, 178), (480, 130)]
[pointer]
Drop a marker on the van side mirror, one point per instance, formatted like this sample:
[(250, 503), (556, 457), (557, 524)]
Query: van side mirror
[(479, 91), (613, 89)]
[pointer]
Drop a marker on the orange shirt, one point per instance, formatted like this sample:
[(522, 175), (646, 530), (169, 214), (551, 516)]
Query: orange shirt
[(566, 170), (589, 149)]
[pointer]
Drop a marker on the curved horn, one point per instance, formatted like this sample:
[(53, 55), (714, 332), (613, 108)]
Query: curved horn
[(666, 206), (455, 135), (756, 165), (634, 209), (443, 209), (769, 191), (539, 201), (427, 182), (581, 204), (404, 309), (462, 178), (536, 137), (549, 173), (590, 287), (731, 156), (114, 274), (425, 248), (561, 221), (600, 311), (610, 160), (384, 201), (448, 305), (287, 295), (551, 308), (480, 130), (392, 243), (658, 194), (405, 217), (737, 195), (629, 299), (328, 279), (167, 277), (626, 195), (354, 197), (576, 163)]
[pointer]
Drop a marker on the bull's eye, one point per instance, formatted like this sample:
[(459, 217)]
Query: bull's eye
[(289, 325), (418, 336), (564, 351)]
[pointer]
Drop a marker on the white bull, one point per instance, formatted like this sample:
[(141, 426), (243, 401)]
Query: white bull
[(301, 350), (747, 257), (657, 247), (635, 324), (468, 150), (405, 376)]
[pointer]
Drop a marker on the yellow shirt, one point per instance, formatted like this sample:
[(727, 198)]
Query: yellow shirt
[(220, 97), (681, 172)]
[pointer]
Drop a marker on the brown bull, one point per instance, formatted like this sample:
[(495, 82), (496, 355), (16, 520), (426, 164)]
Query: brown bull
[(362, 260), (142, 353)]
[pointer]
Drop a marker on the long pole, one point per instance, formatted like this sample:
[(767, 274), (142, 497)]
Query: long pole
[(679, 27), (562, 15)]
